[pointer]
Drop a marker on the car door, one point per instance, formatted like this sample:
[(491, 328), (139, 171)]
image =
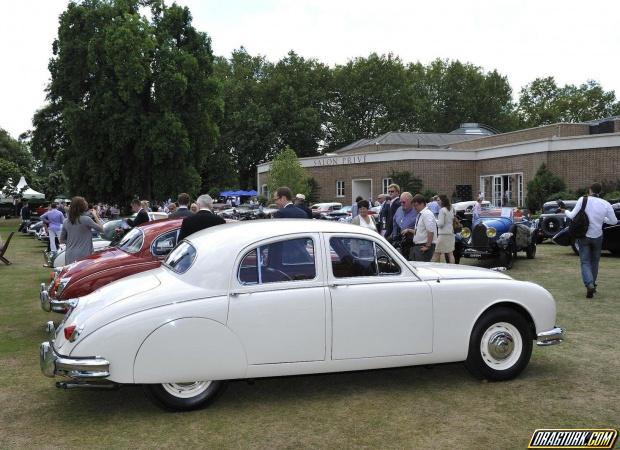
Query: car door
[(379, 307), (277, 301)]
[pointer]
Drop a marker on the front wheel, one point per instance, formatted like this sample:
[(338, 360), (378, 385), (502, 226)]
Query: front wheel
[(500, 345), (184, 396)]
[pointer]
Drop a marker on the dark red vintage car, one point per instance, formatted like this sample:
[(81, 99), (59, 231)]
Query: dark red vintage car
[(141, 249)]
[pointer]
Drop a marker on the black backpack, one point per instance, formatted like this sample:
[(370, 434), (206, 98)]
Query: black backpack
[(579, 225)]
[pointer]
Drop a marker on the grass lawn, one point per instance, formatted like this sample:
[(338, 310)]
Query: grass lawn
[(575, 384)]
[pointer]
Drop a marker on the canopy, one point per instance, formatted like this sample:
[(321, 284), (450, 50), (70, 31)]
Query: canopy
[(27, 193), (238, 193)]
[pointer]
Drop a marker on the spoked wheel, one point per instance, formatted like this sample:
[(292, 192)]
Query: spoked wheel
[(500, 345), (184, 396)]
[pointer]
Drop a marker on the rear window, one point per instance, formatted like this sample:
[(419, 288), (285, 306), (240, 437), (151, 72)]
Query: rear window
[(181, 258)]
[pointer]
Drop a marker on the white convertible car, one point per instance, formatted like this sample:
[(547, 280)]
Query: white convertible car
[(286, 297)]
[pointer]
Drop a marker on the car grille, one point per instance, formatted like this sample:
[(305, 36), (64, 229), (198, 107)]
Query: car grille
[(479, 236)]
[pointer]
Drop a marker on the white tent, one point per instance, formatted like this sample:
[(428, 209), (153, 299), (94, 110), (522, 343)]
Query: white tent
[(28, 193)]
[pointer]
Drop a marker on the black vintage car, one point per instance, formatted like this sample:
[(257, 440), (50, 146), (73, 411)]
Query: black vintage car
[(611, 236), (552, 221), (498, 236)]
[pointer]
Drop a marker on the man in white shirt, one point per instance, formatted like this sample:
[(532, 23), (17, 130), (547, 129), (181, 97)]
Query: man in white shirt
[(598, 211), (425, 236)]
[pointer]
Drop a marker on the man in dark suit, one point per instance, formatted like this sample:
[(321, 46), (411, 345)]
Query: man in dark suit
[(183, 210), (393, 205), (284, 199), (204, 218), (141, 217)]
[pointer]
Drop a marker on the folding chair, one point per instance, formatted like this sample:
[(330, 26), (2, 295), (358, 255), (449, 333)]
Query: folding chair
[(3, 249)]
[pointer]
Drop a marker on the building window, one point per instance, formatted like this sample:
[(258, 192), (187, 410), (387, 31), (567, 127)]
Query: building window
[(340, 188), (503, 189), (386, 183), (264, 191)]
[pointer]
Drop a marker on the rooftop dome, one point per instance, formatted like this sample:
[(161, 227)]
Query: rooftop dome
[(478, 129)]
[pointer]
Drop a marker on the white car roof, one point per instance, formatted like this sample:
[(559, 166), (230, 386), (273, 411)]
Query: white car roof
[(243, 233)]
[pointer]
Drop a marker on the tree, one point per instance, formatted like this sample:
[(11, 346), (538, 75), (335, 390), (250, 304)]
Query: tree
[(543, 102), (541, 187), (407, 182), (287, 171), (132, 103), (247, 132), (296, 94)]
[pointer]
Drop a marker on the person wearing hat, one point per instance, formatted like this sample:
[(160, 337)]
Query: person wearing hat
[(300, 202)]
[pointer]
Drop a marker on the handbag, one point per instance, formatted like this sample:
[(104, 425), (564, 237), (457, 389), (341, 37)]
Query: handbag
[(578, 227)]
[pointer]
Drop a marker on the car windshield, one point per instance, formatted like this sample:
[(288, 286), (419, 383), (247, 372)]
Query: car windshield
[(132, 241), (181, 258)]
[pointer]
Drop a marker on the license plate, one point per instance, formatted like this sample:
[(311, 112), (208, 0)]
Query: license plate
[(474, 255)]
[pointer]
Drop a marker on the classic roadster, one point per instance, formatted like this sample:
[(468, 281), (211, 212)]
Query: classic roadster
[(141, 249), (500, 234), (288, 297)]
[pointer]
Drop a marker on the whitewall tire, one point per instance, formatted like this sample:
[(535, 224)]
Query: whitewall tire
[(184, 396), (500, 345)]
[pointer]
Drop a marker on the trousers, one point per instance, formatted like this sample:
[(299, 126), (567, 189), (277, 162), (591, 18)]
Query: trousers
[(589, 257)]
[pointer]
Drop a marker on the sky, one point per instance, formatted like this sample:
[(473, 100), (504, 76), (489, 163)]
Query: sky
[(573, 41)]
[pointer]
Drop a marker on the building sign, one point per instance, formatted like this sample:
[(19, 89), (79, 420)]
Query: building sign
[(339, 160)]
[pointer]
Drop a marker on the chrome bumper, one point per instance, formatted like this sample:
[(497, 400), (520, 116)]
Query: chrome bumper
[(551, 337), (52, 364), (45, 299)]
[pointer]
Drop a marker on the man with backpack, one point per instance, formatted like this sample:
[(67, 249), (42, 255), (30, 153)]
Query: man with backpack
[(587, 229)]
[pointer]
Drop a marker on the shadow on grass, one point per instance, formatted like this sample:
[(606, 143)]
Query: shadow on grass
[(241, 395)]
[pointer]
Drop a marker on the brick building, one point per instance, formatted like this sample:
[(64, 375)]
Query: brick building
[(468, 160)]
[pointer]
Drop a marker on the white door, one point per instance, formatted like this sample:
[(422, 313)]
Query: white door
[(378, 307), (361, 188), (277, 302)]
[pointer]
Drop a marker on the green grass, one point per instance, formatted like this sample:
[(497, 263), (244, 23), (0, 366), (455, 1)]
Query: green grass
[(576, 384)]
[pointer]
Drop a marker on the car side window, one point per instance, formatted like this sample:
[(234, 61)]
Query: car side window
[(164, 243), (360, 258), (288, 260)]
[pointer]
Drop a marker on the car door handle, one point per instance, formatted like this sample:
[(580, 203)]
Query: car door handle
[(238, 293), (336, 284)]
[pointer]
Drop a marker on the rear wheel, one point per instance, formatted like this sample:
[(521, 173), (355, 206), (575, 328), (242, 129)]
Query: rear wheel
[(500, 345), (184, 396)]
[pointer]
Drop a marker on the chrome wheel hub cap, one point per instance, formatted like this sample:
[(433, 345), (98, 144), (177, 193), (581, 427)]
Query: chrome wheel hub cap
[(186, 390), (501, 345)]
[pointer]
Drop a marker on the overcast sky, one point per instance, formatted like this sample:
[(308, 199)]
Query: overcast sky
[(571, 40)]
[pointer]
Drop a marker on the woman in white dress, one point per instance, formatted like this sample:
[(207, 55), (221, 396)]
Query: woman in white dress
[(445, 227), (363, 219)]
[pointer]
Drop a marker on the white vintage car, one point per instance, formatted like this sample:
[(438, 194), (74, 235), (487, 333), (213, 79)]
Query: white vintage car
[(287, 297)]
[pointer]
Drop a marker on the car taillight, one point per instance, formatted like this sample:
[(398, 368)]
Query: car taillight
[(69, 332)]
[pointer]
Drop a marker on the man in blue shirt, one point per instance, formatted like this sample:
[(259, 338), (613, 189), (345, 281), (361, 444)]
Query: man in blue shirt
[(404, 223), (434, 205)]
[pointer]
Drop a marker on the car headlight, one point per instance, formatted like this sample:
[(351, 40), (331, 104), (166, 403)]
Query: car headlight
[(491, 232), (466, 232)]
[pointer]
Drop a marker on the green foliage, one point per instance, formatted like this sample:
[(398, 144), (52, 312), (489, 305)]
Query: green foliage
[(314, 191), (613, 196), (541, 187), (407, 181), (287, 171), (428, 194), (132, 101), (9, 176), (262, 200), (214, 193), (561, 195), (543, 102)]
